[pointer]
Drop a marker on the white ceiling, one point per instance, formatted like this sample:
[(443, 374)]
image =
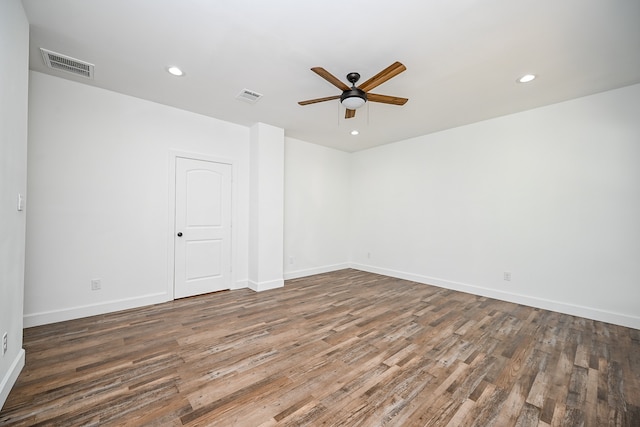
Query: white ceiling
[(462, 57)]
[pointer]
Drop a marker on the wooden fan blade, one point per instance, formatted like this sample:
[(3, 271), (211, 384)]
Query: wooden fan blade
[(385, 99), (384, 75), (330, 78), (313, 101), (348, 114)]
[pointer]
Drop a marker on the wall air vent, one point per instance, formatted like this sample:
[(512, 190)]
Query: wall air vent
[(61, 62), (249, 96)]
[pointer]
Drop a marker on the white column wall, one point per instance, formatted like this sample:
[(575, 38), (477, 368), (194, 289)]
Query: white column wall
[(99, 175), (266, 207), (550, 195), (14, 51)]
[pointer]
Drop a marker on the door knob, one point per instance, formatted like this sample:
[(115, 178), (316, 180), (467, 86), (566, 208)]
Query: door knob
[(180, 234)]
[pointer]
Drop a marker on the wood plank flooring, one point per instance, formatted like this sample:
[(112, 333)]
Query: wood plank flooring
[(346, 348)]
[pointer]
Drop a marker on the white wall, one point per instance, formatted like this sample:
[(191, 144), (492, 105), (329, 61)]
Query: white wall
[(551, 195), (14, 49), (316, 234), (99, 197)]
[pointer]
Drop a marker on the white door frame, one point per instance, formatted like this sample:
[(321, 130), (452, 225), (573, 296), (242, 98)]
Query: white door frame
[(171, 241)]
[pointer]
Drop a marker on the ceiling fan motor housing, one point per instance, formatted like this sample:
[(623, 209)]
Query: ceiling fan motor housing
[(353, 92)]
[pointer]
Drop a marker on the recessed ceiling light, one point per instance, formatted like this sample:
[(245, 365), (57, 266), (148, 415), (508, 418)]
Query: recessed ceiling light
[(526, 78), (175, 71), (354, 132)]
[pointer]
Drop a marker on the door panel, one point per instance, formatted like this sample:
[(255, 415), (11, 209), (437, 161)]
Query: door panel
[(203, 211), (204, 259), (203, 227)]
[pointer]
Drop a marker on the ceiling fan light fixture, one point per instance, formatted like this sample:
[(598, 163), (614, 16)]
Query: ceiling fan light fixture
[(353, 99)]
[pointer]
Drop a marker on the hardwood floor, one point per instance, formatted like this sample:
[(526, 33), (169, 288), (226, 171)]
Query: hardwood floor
[(340, 349)]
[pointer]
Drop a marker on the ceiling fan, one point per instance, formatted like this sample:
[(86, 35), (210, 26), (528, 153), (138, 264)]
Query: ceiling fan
[(356, 96)]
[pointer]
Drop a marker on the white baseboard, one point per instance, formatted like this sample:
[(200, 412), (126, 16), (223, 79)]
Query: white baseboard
[(44, 318), (265, 286), (316, 270), (546, 304), (11, 376)]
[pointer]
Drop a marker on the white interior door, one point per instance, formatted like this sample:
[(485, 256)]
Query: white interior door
[(202, 228)]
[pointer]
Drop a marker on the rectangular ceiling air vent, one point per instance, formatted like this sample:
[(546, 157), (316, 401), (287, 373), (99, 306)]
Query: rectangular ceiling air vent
[(61, 62), (249, 96)]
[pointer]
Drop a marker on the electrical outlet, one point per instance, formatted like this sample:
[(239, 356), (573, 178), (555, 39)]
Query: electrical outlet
[(5, 343), (96, 284), (292, 260), (507, 276), (368, 255)]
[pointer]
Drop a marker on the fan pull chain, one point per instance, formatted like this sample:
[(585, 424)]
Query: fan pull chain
[(367, 114)]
